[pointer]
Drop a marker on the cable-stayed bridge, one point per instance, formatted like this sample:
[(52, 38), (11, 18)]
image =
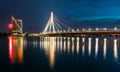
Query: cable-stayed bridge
[(56, 27)]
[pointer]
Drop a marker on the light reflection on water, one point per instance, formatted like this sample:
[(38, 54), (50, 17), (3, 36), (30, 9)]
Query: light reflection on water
[(89, 46), (96, 47), (83, 46), (58, 45), (105, 48), (78, 44), (51, 42), (115, 49), (50, 48), (16, 49), (68, 45), (73, 45)]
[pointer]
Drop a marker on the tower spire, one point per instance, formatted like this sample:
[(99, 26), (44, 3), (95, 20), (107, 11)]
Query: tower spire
[(52, 17)]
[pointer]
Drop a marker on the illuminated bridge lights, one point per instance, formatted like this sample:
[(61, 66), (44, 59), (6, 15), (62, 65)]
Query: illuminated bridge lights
[(97, 29), (56, 27), (115, 28), (78, 30)]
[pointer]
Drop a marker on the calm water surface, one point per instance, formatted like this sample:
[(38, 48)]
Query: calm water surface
[(60, 54)]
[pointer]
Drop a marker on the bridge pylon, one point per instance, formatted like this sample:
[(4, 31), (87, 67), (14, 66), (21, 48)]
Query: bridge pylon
[(54, 25), (50, 27)]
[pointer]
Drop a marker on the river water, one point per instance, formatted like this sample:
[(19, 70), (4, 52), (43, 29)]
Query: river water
[(60, 54)]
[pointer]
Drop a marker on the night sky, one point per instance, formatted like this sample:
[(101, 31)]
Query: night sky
[(35, 13)]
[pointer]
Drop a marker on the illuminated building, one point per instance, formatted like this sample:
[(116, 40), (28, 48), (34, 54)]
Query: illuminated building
[(16, 26)]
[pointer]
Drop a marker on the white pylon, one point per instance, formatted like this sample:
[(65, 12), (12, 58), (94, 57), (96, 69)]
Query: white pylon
[(54, 25), (52, 17), (50, 25), (52, 21)]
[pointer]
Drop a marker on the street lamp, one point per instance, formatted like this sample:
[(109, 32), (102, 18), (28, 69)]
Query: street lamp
[(89, 29), (77, 30), (105, 29), (96, 29), (73, 30), (83, 29), (115, 28)]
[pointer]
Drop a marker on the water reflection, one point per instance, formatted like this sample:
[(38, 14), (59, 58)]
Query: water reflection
[(61, 44), (105, 48), (89, 46), (53, 45), (16, 49), (78, 45), (96, 47), (50, 48), (73, 45), (68, 45), (64, 44), (83, 46), (35, 43), (115, 49), (58, 43)]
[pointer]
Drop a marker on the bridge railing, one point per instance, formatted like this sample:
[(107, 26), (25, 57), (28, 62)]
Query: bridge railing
[(86, 30)]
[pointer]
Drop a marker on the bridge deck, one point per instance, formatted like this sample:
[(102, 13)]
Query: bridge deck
[(99, 33)]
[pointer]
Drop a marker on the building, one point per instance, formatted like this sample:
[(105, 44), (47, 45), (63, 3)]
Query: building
[(16, 26)]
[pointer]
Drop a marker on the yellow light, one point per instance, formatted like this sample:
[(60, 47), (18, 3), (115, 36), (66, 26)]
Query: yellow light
[(50, 48), (20, 49), (64, 45), (96, 47), (78, 44), (115, 50), (83, 46), (52, 18), (89, 46), (68, 45), (73, 45), (105, 47)]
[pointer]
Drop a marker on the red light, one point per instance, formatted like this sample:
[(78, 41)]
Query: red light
[(11, 49), (11, 26)]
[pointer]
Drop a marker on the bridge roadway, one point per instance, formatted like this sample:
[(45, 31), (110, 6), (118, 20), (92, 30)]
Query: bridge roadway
[(87, 33)]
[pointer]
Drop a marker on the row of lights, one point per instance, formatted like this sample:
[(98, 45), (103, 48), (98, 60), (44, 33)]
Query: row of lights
[(89, 29)]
